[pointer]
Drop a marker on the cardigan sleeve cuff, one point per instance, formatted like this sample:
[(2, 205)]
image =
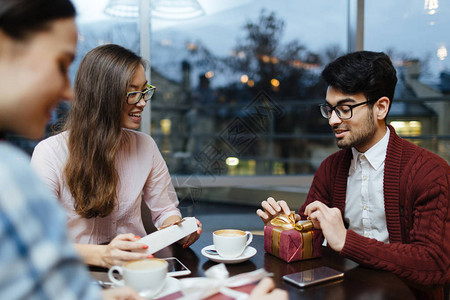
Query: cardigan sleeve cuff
[(354, 246)]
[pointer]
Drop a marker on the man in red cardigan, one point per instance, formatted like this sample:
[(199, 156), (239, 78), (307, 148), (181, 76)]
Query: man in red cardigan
[(381, 200)]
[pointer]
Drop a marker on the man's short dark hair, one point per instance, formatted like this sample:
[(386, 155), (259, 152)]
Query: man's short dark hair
[(370, 73)]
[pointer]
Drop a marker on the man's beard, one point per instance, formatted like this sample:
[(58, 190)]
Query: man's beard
[(359, 136)]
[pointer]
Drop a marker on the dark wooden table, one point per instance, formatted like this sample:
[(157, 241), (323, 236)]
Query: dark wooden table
[(358, 283)]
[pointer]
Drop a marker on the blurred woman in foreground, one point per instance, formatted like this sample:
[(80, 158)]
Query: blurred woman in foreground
[(37, 260)]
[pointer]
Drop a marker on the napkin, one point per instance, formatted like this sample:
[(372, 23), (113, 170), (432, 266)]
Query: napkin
[(217, 280)]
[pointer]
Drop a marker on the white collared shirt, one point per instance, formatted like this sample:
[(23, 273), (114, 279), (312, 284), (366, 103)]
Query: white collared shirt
[(364, 204)]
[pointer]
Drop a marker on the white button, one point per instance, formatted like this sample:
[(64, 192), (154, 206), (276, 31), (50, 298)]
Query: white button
[(365, 177), (365, 207), (367, 235)]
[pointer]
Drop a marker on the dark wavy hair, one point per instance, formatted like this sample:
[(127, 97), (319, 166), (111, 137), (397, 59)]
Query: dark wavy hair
[(370, 73), (94, 127), (21, 18)]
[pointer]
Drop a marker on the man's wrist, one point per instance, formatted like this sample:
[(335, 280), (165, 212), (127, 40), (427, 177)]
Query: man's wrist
[(342, 242)]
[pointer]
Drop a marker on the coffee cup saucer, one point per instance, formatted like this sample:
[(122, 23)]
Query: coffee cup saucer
[(249, 252), (171, 285)]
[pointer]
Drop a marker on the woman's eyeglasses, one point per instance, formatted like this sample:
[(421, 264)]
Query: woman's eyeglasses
[(135, 97)]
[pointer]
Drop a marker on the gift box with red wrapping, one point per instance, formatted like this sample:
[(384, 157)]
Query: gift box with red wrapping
[(289, 240)]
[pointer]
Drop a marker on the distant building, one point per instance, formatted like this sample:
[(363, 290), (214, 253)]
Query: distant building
[(445, 82), (422, 117)]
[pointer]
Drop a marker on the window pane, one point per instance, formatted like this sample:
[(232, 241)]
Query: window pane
[(238, 88), (414, 34)]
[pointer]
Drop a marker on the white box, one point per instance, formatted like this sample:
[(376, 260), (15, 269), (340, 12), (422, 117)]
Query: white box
[(167, 236)]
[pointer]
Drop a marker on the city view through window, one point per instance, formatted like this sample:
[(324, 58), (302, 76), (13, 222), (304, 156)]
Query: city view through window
[(238, 83)]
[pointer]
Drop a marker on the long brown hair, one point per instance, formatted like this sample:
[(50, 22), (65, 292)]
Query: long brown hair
[(94, 127)]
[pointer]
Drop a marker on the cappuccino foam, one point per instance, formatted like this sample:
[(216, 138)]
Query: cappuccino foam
[(230, 233), (145, 264)]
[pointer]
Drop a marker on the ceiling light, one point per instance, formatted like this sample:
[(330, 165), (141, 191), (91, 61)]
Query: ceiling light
[(127, 9), (176, 9), (164, 9)]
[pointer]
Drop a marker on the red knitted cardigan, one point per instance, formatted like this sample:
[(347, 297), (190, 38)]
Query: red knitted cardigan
[(416, 199)]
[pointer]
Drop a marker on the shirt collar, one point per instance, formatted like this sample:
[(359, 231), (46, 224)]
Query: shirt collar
[(377, 154)]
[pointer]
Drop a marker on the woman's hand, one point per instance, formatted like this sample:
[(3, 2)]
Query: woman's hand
[(121, 293), (265, 290), (190, 239), (118, 251)]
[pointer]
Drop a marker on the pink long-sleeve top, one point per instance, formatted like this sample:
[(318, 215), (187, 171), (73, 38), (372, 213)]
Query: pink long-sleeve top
[(143, 175)]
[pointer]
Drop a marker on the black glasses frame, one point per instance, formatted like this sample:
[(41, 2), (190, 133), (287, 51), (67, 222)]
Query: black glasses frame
[(327, 110)]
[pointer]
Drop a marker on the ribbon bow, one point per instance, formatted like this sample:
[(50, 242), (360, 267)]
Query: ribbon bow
[(217, 280), (288, 222)]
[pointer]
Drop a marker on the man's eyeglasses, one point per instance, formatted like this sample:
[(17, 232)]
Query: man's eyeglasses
[(343, 111), (135, 97)]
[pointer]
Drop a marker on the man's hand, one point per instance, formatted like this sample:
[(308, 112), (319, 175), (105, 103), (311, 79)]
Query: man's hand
[(330, 221), (272, 208)]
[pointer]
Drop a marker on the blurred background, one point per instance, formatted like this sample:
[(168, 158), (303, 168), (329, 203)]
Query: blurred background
[(235, 113)]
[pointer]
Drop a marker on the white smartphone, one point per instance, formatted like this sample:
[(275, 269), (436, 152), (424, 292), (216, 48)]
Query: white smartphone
[(176, 267), (313, 276)]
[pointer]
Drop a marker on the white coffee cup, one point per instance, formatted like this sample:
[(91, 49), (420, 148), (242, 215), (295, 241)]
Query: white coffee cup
[(231, 243), (146, 276)]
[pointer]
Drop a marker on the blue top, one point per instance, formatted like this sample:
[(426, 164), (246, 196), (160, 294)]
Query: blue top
[(37, 259)]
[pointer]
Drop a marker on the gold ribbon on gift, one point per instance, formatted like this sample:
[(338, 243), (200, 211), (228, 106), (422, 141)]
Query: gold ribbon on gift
[(284, 222)]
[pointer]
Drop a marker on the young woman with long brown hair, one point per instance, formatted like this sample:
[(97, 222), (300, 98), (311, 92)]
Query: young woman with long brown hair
[(101, 168)]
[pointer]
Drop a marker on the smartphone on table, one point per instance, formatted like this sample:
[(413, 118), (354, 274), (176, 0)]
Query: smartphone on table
[(176, 267), (313, 276)]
